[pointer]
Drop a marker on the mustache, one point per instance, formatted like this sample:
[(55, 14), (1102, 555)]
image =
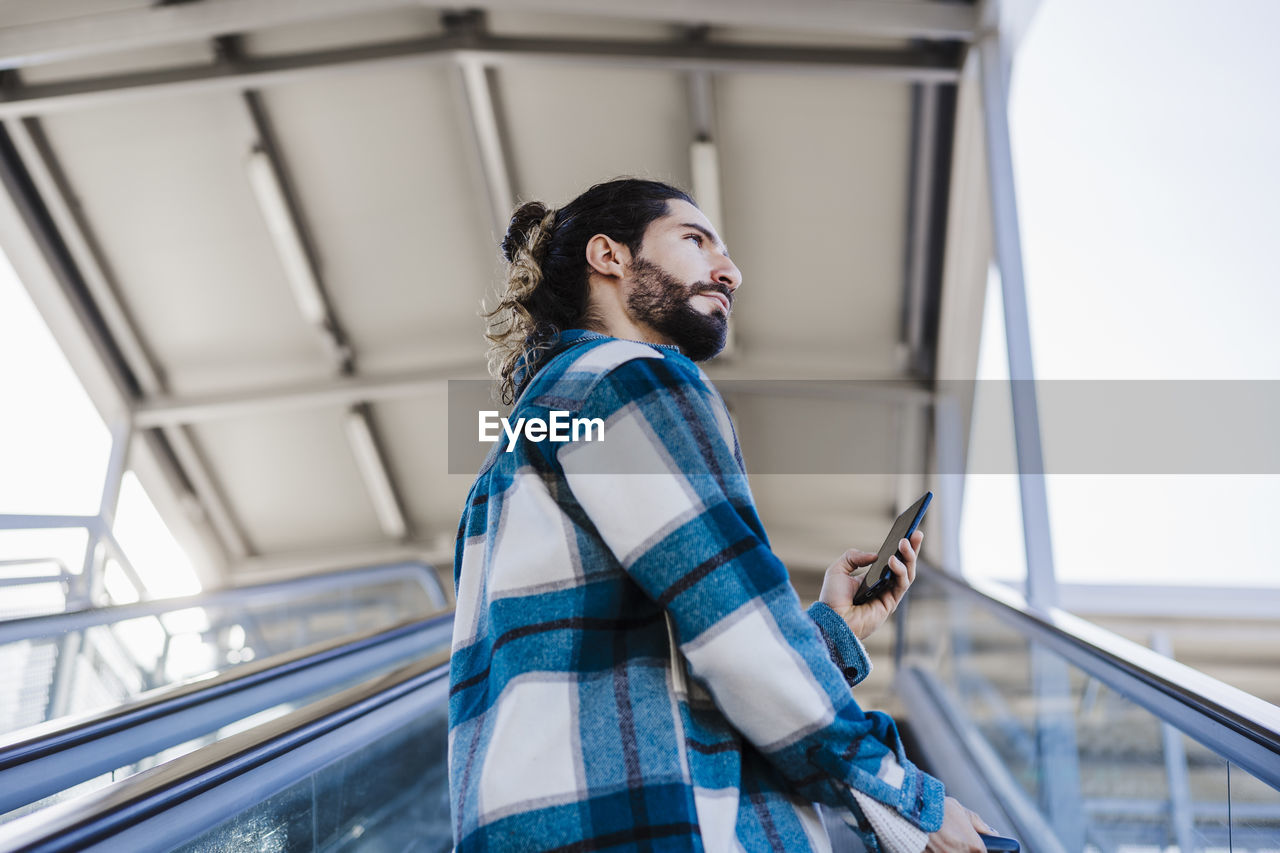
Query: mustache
[(716, 287)]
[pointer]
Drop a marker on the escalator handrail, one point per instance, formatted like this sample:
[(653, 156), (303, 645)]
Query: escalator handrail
[(77, 823), (54, 624), (1102, 653), (38, 741)]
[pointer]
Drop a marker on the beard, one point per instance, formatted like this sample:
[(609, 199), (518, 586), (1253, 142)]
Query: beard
[(661, 301)]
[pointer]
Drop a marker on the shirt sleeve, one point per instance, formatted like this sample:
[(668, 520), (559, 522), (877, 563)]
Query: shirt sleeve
[(667, 493), (844, 647)]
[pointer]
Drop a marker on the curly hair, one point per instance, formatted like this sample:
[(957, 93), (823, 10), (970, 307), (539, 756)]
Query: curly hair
[(546, 288)]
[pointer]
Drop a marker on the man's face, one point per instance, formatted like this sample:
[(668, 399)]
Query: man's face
[(681, 284)]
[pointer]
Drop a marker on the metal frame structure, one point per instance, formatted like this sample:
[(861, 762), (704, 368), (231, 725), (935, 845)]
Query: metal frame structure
[(89, 35), (470, 48)]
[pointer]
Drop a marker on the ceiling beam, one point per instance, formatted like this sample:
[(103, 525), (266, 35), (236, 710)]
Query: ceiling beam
[(350, 391), (154, 26), (340, 392), (905, 64)]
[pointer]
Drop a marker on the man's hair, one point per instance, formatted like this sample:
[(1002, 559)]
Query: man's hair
[(546, 288)]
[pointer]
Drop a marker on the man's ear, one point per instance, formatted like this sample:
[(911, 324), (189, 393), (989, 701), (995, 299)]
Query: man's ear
[(606, 256)]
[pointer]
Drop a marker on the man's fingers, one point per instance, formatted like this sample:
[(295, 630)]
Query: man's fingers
[(914, 546), (899, 569), (980, 824), (858, 559)]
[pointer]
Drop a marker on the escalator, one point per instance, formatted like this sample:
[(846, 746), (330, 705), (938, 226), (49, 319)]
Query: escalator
[(1059, 732)]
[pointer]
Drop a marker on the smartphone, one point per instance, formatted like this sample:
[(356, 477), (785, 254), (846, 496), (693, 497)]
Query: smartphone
[(999, 842), (880, 577)]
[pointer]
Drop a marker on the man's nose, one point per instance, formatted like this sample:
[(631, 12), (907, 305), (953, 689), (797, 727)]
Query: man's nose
[(727, 273)]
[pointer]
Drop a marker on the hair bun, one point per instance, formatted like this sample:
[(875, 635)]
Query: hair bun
[(526, 218)]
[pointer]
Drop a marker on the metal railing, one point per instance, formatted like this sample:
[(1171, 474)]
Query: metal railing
[(33, 627), (1234, 724), (1029, 710), (192, 792), (45, 759)]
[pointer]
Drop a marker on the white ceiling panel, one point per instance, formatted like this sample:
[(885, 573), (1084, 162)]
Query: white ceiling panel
[(164, 187), (815, 178), (292, 480), (381, 168), (571, 129), (415, 435), (21, 12)]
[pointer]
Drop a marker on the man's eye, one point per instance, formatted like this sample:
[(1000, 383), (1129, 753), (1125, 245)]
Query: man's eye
[(696, 238)]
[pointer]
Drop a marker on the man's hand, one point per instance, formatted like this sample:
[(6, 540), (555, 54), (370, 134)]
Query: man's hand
[(959, 832), (839, 586)]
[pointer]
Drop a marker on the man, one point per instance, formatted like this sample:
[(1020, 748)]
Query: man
[(631, 668)]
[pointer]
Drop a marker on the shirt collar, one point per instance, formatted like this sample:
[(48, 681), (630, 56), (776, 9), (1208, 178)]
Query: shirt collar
[(569, 338)]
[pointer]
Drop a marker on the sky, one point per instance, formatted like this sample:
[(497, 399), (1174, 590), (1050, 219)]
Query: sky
[(1144, 136)]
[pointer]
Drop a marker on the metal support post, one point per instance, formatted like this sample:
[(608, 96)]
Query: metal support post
[(950, 473), (1055, 725), (1060, 793), (90, 586), (481, 101), (62, 680), (704, 158), (1041, 584), (924, 130), (1181, 813)]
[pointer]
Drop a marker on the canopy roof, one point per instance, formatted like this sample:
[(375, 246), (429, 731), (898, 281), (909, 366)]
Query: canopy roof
[(263, 230)]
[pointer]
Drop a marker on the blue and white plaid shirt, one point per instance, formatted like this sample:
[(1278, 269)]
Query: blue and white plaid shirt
[(631, 667)]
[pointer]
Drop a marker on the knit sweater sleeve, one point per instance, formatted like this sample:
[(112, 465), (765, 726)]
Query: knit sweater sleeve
[(666, 491)]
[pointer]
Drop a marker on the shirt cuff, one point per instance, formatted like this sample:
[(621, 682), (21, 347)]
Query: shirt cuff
[(845, 648)]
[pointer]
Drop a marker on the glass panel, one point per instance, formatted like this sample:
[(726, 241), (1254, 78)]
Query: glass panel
[(169, 753), (161, 564), (53, 443), (991, 535), (92, 670), (1101, 772), (391, 795), (1254, 813)]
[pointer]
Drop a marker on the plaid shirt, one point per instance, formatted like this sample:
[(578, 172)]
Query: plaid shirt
[(631, 667)]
